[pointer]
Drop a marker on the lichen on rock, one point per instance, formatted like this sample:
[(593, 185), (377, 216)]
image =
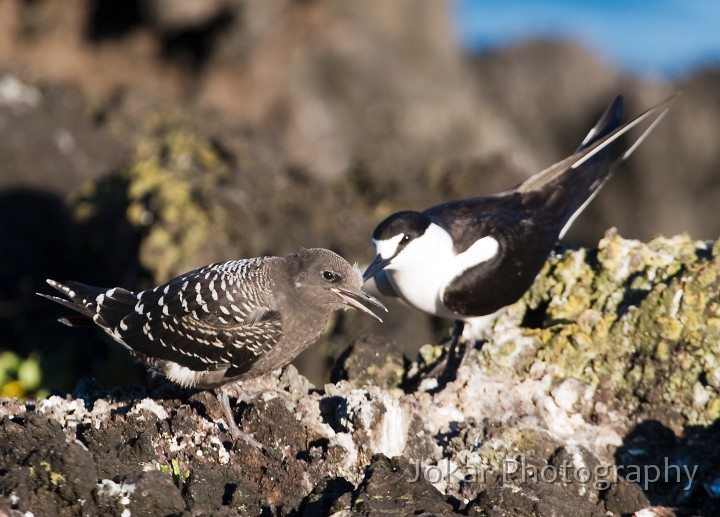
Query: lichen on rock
[(166, 194), (633, 320), (171, 181), (604, 371)]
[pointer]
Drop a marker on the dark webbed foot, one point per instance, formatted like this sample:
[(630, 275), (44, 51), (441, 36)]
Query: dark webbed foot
[(445, 370), (448, 366)]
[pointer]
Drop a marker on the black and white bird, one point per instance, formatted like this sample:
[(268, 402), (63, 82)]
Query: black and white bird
[(469, 259), (225, 322)]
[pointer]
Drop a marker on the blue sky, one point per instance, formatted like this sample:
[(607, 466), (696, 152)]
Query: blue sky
[(662, 38)]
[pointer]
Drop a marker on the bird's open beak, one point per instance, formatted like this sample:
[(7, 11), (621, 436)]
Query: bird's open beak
[(376, 265), (349, 298)]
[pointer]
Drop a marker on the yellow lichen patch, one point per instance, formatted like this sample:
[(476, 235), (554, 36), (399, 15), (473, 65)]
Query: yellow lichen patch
[(663, 352), (430, 353), (713, 409), (56, 479), (168, 191), (640, 319), (170, 182)]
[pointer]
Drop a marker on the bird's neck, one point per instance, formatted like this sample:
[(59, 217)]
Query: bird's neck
[(419, 273), (301, 323)]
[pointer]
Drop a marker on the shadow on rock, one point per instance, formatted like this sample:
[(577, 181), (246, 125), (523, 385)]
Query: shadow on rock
[(681, 472)]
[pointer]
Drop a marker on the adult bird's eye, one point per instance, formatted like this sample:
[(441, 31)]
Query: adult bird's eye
[(406, 239), (330, 276)]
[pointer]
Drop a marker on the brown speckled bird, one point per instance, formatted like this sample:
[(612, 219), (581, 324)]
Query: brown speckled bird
[(225, 322)]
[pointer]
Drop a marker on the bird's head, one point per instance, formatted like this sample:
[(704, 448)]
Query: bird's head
[(330, 280), (394, 235)]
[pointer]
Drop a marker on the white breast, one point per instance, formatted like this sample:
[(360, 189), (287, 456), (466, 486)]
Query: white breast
[(420, 272)]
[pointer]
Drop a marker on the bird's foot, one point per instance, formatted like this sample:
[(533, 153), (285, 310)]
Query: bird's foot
[(470, 332), (240, 435), (446, 366), (236, 433), (445, 370)]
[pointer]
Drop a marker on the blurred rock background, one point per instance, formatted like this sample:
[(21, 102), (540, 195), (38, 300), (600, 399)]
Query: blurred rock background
[(140, 139)]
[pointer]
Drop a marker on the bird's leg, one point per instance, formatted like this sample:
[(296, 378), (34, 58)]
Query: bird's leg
[(469, 342), (235, 431), (474, 330), (442, 367), (457, 333)]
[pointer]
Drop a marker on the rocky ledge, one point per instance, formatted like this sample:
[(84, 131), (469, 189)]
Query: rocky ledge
[(596, 394)]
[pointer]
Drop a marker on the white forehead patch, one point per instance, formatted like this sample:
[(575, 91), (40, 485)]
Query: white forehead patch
[(387, 248)]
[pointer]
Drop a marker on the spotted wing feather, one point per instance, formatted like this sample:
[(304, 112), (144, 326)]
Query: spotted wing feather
[(215, 317)]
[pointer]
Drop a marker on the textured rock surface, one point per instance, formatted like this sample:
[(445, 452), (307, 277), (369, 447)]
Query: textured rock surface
[(596, 394), (139, 139)]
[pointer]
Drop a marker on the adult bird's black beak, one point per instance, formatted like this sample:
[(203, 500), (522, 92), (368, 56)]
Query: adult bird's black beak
[(376, 265), (349, 298)]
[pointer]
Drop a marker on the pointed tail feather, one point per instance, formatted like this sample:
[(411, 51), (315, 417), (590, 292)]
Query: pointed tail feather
[(608, 122), (80, 298), (69, 304), (105, 307), (599, 145), (598, 183), (576, 180), (74, 301), (83, 293)]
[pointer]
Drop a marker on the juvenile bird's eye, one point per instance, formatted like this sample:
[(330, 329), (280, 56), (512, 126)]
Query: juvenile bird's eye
[(406, 239), (330, 276)]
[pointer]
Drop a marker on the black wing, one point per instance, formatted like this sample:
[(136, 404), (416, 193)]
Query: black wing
[(546, 200), (523, 248)]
